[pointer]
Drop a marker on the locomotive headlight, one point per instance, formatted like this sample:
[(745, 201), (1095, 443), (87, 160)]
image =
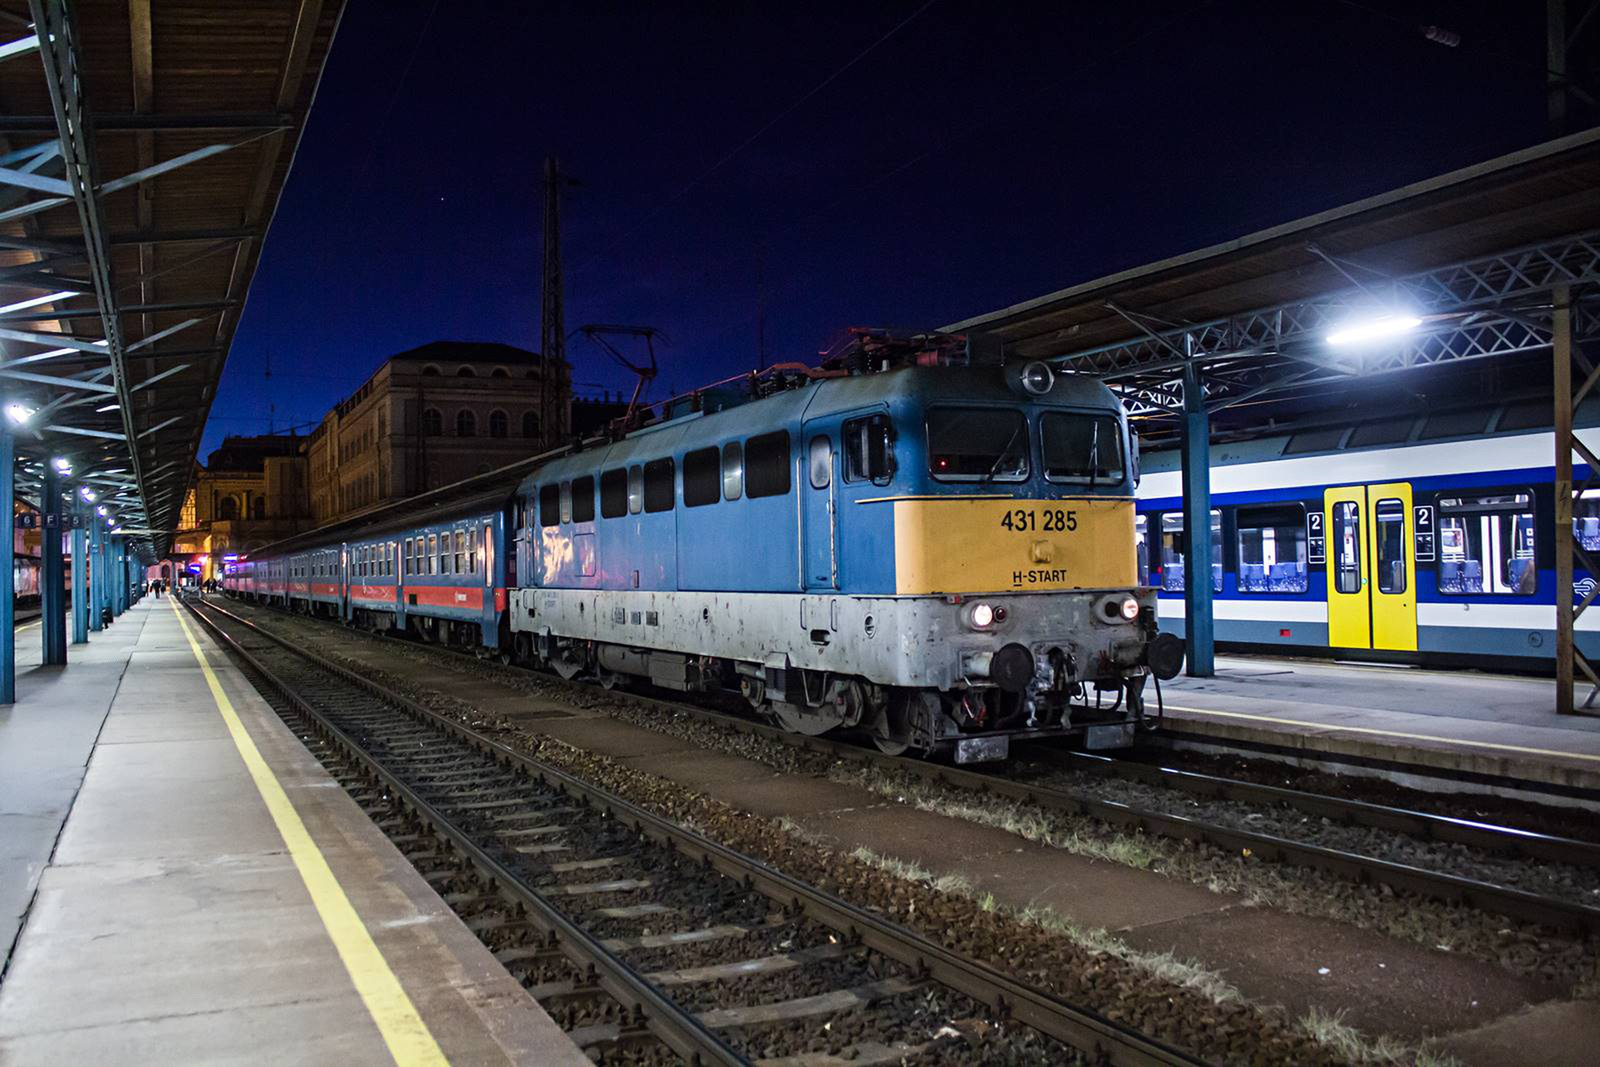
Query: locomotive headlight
[(1130, 608), (982, 616), (1037, 378)]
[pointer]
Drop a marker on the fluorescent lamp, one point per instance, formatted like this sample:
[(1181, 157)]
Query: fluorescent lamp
[(62, 464), (23, 305), (18, 413), (101, 510), (88, 494), (1373, 329), (110, 407)]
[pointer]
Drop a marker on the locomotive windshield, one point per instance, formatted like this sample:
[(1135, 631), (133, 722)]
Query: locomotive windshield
[(972, 444), (1081, 448)]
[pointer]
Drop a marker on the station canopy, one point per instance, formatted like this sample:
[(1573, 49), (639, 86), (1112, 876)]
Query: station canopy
[(1475, 255), (143, 148)]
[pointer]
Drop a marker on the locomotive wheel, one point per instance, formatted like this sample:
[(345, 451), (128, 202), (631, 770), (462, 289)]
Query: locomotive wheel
[(808, 721), (891, 730)]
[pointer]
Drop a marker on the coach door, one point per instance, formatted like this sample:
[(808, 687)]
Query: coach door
[(1371, 567), (818, 521)]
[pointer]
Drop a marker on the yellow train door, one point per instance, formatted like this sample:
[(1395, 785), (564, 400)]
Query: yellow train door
[(1371, 567)]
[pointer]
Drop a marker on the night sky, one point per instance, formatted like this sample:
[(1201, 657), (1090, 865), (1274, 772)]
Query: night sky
[(898, 164)]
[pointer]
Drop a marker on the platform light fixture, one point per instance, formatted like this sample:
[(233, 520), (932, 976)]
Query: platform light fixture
[(23, 305), (1358, 331), (62, 464), (101, 510), (18, 413), (109, 407), (88, 494)]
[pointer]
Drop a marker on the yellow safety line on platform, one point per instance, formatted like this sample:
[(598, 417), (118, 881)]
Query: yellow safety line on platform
[(1521, 749), (408, 1037)]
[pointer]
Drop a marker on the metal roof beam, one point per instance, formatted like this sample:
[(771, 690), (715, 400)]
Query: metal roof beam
[(151, 237), (85, 432), (126, 309), (144, 174), (49, 379), (152, 123)]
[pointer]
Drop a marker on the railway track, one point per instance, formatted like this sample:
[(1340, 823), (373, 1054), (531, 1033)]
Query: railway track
[(1404, 850), (640, 934)]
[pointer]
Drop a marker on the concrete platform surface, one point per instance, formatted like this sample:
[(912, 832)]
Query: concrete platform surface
[(1497, 725), (214, 896)]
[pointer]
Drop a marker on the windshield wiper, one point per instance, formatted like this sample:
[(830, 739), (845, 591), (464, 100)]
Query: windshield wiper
[(1094, 451), (1001, 458)]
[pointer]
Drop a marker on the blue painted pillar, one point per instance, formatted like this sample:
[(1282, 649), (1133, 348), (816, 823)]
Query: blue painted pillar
[(1199, 650), (119, 576), (52, 620), (8, 584), (80, 574), (97, 575)]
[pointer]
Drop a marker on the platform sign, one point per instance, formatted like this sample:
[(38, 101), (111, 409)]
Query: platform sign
[(28, 520), (1424, 533), (1316, 543)]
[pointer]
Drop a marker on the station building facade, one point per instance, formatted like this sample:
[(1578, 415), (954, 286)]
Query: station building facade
[(431, 416), (250, 492)]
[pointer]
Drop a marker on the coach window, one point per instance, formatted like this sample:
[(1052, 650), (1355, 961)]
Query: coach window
[(613, 493), (766, 465), (1141, 547), (461, 552), (1172, 545), (1486, 545), (1389, 518), (550, 505), (1585, 519), (444, 553), (659, 475), (732, 470), (433, 547), (1345, 546), (819, 462), (702, 477), (583, 499), (977, 445), (1272, 549), (405, 556), (472, 550)]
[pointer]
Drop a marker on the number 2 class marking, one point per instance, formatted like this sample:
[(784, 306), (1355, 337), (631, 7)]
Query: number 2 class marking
[(1051, 520)]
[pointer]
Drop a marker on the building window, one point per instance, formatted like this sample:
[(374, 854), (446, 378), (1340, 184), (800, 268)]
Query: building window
[(499, 425), (530, 424), (227, 509), (432, 423), (1172, 546), (466, 372), (766, 465), (258, 507), (466, 424), (499, 372), (431, 370), (1486, 545), (658, 487), (702, 477), (1272, 549)]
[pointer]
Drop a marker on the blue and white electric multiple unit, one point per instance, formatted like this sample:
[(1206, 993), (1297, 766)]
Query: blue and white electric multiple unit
[(935, 553), (1416, 539)]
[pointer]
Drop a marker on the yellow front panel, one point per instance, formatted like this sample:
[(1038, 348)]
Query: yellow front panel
[(1394, 613), (963, 545)]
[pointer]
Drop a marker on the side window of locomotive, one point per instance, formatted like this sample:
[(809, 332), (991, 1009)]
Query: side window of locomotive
[(868, 449), (820, 462), (583, 499), (1486, 545), (550, 505), (702, 477), (1172, 546), (614, 494), (732, 470), (659, 475), (566, 501), (1272, 549), (635, 489), (766, 465), (977, 444), (1081, 448)]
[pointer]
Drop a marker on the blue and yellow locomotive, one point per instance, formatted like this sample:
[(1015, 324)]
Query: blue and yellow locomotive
[(933, 551)]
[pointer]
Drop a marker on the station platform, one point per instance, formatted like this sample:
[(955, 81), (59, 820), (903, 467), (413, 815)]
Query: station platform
[(1466, 724), (181, 881)]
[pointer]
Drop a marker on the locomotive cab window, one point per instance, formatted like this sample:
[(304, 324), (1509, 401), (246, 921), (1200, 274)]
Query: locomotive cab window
[(550, 505), (1272, 549), (1486, 545), (1172, 546), (977, 445), (583, 499), (1081, 448), (658, 488), (702, 477), (766, 465), (566, 501), (614, 494), (820, 462), (635, 489), (868, 446)]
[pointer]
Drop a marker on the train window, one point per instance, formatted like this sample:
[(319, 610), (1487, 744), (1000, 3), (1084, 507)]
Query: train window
[(732, 470), (1454, 424), (1390, 518), (702, 477), (614, 493), (461, 552), (766, 465), (977, 444), (407, 556), (635, 489), (566, 501), (1081, 448), (1346, 546), (1486, 545), (659, 475), (868, 446), (550, 505), (1382, 432), (1141, 547), (1314, 441), (433, 547), (1272, 549), (1172, 545), (820, 462), (583, 499), (472, 550), (1586, 520)]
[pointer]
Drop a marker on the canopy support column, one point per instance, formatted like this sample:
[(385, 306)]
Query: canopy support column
[(97, 575), (52, 576), (80, 574), (8, 583), (1199, 650)]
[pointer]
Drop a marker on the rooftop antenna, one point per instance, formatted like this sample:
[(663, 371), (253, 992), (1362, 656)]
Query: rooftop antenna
[(597, 333)]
